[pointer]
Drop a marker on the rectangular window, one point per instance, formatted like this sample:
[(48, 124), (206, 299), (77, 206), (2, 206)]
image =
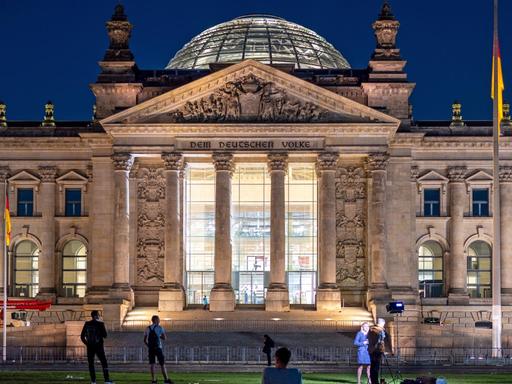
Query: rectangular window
[(481, 202), (73, 202), (25, 202), (432, 202)]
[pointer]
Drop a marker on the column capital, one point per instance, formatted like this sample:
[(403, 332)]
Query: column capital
[(277, 162), (48, 173), (377, 161), (173, 161), (505, 174), (4, 174), (223, 162), (327, 161), (123, 161), (415, 173), (457, 174)]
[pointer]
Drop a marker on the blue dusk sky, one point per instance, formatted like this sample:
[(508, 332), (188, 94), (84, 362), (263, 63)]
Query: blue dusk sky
[(50, 49)]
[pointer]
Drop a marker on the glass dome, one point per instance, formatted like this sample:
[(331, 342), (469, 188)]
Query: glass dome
[(264, 38)]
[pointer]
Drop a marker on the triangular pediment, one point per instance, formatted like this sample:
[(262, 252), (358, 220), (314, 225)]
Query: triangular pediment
[(24, 176), (72, 176), (479, 176), (249, 92), (433, 176)]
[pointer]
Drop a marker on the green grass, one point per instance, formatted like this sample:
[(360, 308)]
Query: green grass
[(11, 377)]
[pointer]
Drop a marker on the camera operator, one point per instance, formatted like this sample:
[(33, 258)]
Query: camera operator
[(378, 343)]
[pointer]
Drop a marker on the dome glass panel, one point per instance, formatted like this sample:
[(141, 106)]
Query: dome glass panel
[(264, 38)]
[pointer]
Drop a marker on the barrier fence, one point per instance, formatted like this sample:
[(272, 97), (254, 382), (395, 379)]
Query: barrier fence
[(238, 355), (221, 324)]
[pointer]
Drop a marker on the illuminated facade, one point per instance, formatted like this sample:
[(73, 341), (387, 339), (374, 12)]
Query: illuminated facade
[(257, 169)]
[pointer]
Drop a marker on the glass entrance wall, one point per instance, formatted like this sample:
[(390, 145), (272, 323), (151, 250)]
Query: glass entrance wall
[(301, 232), (250, 231), (199, 231)]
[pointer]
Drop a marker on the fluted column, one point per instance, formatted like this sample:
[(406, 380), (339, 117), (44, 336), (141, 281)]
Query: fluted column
[(4, 175), (47, 283), (121, 287), (277, 298), (172, 295), (506, 233), (222, 297), (377, 168), (457, 293), (328, 296)]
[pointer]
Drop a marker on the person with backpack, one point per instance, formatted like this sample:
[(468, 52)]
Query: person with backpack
[(92, 336), (268, 344), (153, 336)]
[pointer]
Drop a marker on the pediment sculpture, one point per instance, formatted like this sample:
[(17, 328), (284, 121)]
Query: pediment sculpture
[(249, 99)]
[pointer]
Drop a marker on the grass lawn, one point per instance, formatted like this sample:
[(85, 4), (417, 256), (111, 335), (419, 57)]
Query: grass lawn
[(11, 377)]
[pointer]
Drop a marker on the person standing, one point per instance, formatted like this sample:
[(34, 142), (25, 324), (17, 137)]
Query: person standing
[(363, 357), (377, 340), (153, 336), (268, 344), (93, 334), (281, 374), (205, 302)]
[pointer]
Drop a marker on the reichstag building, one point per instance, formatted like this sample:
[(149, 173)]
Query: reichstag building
[(257, 169)]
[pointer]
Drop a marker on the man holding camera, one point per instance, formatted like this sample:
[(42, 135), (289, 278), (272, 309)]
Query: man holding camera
[(377, 340)]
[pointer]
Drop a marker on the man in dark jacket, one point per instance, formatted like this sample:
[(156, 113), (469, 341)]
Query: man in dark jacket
[(268, 344), (377, 343), (92, 336)]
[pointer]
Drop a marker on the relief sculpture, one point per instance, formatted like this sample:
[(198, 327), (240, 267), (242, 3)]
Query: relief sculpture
[(150, 226), (249, 99), (350, 227)]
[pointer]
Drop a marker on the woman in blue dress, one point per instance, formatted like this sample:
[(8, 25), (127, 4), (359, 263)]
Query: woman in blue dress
[(363, 357)]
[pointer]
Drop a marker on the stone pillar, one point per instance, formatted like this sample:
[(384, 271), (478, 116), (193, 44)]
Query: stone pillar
[(277, 293), (377, 168), (4, 175), (457, 293), (172, 295), (328, 296), (506, 234), (121, 288), (47, 282), (222, 297)]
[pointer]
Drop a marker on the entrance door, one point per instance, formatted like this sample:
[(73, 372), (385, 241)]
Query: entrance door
[(251, 288), (301, 286)]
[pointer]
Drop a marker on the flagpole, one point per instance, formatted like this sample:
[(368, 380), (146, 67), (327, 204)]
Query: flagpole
[(4, 304), (496, 254)]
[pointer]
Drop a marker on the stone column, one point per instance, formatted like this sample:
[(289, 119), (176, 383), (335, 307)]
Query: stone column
[(172, 295), (222, 297), (277, 293), (121, 288), (457, 293), (47, 282), (506, 234), (377, 168), (4, 175), (328, 296)]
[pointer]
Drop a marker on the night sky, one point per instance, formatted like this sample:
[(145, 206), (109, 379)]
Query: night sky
[(49, 49)]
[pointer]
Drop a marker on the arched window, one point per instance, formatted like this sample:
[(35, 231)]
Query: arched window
[(26, 269), (74, 269), (430, 268), (479, 269)]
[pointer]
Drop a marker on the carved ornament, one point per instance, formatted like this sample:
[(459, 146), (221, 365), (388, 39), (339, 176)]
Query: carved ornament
[(377, 162), (277, 162), (173, 161), (223, 162), (505, 174), (122, 161), (4, 174), (327, 161), (47, 174), (457, 174)]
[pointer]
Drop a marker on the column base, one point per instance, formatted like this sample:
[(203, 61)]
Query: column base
[(458, 296), (47, 294), (122, 292), (171, 298), (222, 298), (97, 294), (328, 299), (277, 299)]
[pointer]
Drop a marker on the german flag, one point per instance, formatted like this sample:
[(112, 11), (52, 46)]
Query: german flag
[(7, 218), (497, 93)]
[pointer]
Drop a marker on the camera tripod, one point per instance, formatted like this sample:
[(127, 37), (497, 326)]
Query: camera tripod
[(396, 376)]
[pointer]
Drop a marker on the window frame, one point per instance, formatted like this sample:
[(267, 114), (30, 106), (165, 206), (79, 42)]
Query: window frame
[(478, 272), (28, 202), (80, 213), (433, 270), (432, 180), (488, 202), (431, 205), (62, 269), (15, 271)]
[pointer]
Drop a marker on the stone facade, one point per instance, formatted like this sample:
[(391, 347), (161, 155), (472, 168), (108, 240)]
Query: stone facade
[(373, 164)]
